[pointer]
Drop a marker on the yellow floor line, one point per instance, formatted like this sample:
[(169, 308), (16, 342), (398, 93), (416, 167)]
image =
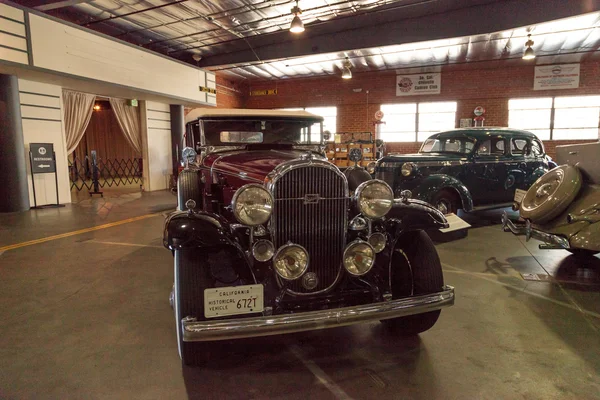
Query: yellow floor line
[(79, 232), (124, 244)]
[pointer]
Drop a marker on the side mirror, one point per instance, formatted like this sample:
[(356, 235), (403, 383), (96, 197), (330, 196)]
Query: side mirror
[(188, 156)]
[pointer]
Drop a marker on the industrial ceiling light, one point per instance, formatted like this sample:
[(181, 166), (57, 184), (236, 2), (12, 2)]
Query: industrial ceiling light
[(297, 26), (346, 72), (529, 54)]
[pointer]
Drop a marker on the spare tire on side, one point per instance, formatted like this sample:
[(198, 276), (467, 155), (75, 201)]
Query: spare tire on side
[(188, 188), (551, 194)]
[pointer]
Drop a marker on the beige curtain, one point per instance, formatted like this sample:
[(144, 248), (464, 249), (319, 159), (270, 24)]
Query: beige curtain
[(129, 121), (104, 135), (77, 111)]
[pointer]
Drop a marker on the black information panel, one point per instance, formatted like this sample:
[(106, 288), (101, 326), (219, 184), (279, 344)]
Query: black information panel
[(42, 158)]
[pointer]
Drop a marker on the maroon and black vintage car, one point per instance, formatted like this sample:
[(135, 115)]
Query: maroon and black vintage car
[(271, 238)]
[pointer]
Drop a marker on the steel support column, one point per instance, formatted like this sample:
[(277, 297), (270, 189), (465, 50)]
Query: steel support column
[(13, 165), (177, 133)]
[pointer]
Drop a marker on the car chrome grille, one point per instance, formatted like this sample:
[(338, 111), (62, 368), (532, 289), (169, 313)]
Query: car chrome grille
[(311, 209)]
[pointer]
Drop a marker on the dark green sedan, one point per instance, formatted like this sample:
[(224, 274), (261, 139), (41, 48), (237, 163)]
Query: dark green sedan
[(468, 169)]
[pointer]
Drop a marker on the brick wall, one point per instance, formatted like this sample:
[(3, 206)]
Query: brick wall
[(469, 87), (229, 93)]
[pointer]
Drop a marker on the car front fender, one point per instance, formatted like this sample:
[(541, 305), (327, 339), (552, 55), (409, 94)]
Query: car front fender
[(535, 175), (431, 185), (184, 229), (412, 215)]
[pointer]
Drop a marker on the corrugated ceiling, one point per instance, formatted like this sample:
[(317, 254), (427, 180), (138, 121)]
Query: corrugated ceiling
[(568, 40), (182, 28)]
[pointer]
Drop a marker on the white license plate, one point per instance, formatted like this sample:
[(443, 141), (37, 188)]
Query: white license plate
[(519, 195), (219, 302)]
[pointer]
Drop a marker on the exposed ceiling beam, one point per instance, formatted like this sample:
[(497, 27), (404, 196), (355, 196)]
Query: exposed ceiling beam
[(134, 12), (54, 5), (443, 20)]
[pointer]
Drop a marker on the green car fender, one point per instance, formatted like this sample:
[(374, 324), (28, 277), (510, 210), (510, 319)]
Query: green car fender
[(432, 185), (534, 176)]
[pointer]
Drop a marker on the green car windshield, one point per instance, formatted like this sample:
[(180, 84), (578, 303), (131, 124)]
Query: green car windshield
[(461, 145)]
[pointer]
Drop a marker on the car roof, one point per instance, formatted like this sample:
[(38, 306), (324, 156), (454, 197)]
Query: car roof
[(483, 132), (205, 113)]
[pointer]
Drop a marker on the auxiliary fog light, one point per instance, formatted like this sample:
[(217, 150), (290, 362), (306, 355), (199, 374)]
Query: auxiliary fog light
[(291, 261), (377, 241), (263, 250), (359, 258)]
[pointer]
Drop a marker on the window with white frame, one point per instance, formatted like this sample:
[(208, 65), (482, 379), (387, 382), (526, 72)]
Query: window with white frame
[(410, 122), (329, 115), (576, 117), (532, 115), (400, 122), (558, 118), (435, 117)]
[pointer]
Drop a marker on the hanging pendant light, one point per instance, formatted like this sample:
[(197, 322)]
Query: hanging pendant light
[(529, 54), (297, 26), (346, 71)]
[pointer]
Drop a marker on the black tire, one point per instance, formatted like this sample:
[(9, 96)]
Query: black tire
[(191, 278), (415, 257), (446, 201), (582, 252), (188, 187)]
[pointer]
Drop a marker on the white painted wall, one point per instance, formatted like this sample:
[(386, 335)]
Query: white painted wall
[(41, 113), (13, 35), (156, 119), (62, 55), (62, 48)]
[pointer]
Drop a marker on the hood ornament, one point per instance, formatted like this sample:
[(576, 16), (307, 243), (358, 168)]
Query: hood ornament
[(307, 156)]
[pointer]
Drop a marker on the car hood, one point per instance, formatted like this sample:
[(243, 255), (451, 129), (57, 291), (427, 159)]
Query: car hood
[(253, 164), (422, 157)]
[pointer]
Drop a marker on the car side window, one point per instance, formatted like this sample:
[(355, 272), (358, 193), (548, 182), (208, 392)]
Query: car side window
[(493, 146), (520, 147), (536, 148)]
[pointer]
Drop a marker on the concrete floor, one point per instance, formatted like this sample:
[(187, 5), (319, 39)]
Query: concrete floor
[(87, 316)]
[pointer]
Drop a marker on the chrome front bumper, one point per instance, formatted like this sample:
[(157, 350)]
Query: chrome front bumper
[(194, 331), (529, 232)]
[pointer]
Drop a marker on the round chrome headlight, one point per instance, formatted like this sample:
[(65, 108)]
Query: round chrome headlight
[(359, 258), (375, 198), (263, 250), (408, 168), (377, 241), (291, 261), (252, 204), (371, 167)]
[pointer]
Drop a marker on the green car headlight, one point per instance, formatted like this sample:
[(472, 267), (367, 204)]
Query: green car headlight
[(408, 169)]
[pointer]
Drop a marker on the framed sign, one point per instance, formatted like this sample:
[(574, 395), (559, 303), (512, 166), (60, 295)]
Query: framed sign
[(564, 76), (42, 158), (414, 85), (42, 161)]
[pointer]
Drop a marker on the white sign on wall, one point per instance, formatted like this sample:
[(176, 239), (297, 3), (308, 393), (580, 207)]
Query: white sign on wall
[(412, 85), (564, 76)]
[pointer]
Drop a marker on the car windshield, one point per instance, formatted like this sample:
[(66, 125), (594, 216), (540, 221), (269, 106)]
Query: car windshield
[(462, 145), (265, 131)]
